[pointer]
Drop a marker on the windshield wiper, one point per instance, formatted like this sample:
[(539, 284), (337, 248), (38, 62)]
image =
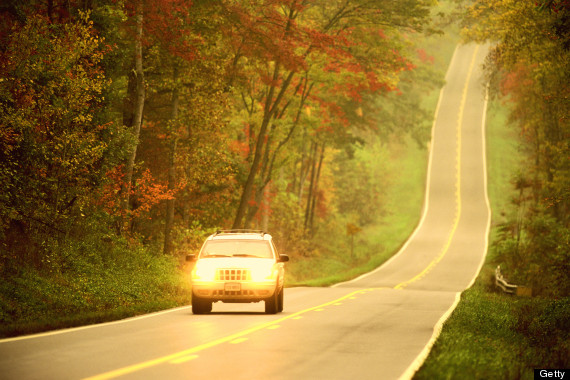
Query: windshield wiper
[(244, 255), (217, 255)]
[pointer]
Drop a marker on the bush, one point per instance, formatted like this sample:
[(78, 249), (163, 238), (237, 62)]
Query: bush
[(538, 256), (93, 278)]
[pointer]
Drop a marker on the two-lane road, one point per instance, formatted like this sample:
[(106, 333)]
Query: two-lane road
[(379, 326)]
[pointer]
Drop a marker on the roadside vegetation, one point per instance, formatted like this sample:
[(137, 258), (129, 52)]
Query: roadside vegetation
[(492, 334), (122, 145)]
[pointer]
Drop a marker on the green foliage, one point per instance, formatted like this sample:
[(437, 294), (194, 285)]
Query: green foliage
[(359, 183), (209, 89), (90, 279), (539, 257), (331, 255), (51, 146)]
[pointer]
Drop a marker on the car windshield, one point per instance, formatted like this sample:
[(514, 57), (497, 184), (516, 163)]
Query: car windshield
[(232, 248)]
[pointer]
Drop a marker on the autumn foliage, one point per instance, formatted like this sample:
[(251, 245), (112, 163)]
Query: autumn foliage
[(153, 119)]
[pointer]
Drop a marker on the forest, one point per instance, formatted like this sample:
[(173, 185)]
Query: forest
[(130, 129)]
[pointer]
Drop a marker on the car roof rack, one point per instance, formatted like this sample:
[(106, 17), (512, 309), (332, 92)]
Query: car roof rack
[(240, 231)]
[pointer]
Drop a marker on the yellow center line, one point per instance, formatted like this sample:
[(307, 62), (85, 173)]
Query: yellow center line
[(184, 359), (234, 338), (238, 340), (440, 256)]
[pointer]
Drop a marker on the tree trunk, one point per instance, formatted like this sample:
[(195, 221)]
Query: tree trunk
[(313, 163), (169, 220), (138, 112), (316, 188), (270, 156), (248, 187), (270, 108)]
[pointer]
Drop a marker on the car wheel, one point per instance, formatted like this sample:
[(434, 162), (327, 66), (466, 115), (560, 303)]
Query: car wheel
[(272, 303), (280, 301), (200, 306)]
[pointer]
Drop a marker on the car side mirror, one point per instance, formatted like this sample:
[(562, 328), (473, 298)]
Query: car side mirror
[(283, 258), (191, 257)]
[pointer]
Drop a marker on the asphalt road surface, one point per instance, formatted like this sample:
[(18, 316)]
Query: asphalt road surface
[(379, 326)]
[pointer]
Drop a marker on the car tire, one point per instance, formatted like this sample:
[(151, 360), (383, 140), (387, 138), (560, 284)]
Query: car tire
[(200, 305), (272, 303), (280, 301)]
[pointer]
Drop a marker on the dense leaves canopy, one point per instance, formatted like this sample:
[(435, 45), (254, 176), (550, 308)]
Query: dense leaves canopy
[(156, 119)]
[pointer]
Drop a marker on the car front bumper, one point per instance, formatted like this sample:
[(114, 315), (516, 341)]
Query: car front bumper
[(245, 291)]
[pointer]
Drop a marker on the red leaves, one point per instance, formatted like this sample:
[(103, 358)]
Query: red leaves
[(168, 24), (553, 5), (263, 31), (424, 57), (515, 81)]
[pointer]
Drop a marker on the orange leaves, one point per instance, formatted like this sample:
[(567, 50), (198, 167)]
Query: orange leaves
[(240, 147), (146, 193)]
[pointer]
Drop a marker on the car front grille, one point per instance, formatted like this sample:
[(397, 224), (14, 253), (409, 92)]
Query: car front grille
[(240, 293), (233, 275)]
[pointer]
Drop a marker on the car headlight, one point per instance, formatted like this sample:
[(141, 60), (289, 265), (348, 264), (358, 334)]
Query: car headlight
[(264, 272), (203, 271)]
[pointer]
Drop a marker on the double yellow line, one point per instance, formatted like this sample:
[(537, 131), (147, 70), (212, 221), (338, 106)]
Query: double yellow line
[(440, 256)]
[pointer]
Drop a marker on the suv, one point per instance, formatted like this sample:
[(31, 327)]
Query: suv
[(238, 266)]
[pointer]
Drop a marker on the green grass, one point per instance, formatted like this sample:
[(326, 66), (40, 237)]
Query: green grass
[(503, 160)]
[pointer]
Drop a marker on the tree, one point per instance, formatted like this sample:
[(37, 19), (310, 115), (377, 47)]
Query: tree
[(321, 47), (184, 126), (138, 104), (50, 145)]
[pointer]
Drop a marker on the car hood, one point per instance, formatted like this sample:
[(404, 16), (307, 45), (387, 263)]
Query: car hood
[(236, 262)]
